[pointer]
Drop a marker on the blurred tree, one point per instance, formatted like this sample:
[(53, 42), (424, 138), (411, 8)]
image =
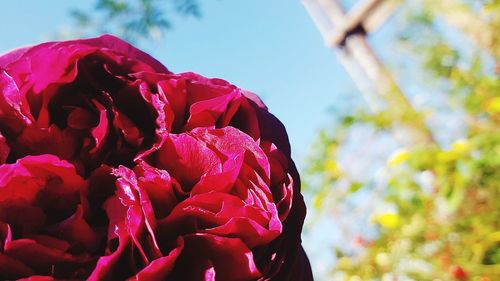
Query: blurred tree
[(433, 210), (131, 20)]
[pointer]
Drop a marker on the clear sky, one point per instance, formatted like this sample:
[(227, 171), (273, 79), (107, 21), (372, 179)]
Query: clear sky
[(269, 47)]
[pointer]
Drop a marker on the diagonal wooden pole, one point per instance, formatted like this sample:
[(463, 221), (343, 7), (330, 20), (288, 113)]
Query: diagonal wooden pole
[(346, 33)]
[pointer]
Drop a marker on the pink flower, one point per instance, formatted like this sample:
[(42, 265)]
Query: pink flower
[(79, 101), (112, 167), (43, 219)]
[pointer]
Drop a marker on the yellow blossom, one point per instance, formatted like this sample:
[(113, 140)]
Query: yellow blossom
[(460, 146), (493, 105), (398, 157), (389, 220)]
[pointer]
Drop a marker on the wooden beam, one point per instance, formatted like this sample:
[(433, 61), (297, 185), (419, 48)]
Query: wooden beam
[(359, 59)]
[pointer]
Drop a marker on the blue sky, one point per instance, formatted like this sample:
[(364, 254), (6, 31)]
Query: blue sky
[(269, 47)]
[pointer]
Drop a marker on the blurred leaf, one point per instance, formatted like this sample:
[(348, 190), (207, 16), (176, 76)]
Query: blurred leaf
[(132, 20), (355, 187)]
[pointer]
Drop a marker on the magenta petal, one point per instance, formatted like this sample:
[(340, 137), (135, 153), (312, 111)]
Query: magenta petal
[(116, 213), (5, 235), (250, 232), (80, 118), (187, 159), (222, 182), (128, 129), (100, 131), (126, 183), (11, 268), (140, 218), (14, 110), (174, 93), (101, 186), (23, 215), (302, 269), (208, 211), (160, 268), (161, 189), (297, 267), (231, 142), (230, 258), (55, 62), (271, 129), (37, 278), (24, 250), (76, 230), (115, 264), (40, 66), (117, 45), (51, 140), (50, 242), (206, 113), (136, 226), (202, 88), (161, 131), (4, 150), (30, 175), (210, 274), (7, 58)]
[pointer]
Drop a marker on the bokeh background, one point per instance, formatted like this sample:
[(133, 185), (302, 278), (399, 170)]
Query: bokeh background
[(392, 109)]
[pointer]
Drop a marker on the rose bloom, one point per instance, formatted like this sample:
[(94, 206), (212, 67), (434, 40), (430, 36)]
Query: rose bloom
[(114, 168)]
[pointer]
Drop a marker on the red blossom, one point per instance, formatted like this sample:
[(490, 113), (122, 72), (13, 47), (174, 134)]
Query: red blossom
[(114, 168)]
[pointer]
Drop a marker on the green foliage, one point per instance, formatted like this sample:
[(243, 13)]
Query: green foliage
[(442, 202), (132, 20)]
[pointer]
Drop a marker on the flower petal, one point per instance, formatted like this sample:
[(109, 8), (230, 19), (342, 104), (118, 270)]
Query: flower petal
[(229, 257)]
